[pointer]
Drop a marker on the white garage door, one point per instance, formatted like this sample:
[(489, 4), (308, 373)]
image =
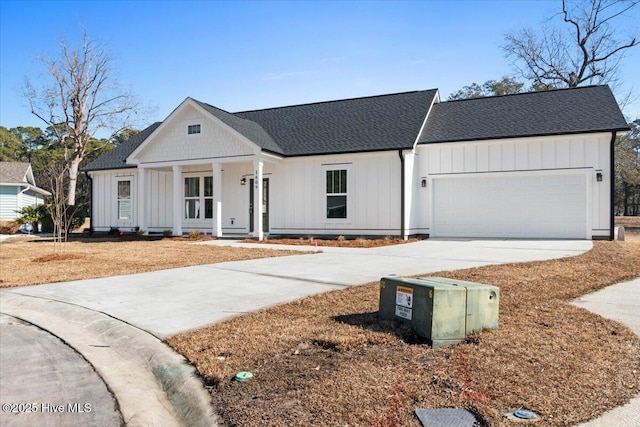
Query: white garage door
[(511, 206)]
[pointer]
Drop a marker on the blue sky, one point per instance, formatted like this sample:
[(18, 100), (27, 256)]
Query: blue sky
[(258, 54)]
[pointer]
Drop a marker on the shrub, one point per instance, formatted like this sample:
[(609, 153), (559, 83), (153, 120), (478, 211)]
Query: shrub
[(8, 227), (167, 233), (194, 235), (341, 238), (33, 215)]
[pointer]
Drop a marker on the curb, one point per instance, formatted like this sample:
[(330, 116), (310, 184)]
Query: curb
[(152, 384)]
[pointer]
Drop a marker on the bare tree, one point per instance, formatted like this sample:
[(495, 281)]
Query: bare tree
[(588, 49), (62, 214), (79, 98)]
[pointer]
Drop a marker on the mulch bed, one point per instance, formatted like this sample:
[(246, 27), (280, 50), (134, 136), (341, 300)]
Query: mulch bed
[(57, 257), (329, 360), (336, 243)]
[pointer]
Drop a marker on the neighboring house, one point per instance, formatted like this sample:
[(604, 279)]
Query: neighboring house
[(534, 165), (18, 189)]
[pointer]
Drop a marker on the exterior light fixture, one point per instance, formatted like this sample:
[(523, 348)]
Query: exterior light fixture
[(423, 183), (599, 176), (243, 181)]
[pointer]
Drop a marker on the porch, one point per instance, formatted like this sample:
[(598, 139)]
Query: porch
[(221, 198)]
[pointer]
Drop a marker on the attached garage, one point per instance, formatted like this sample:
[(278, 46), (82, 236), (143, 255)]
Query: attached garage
[(536, 165), (511, 205)]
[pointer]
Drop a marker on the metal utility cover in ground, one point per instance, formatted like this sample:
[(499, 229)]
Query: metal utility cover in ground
[(441, 310), (446, 417)]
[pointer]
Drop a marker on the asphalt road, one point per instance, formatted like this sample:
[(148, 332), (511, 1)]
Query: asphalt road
[(50, 384)]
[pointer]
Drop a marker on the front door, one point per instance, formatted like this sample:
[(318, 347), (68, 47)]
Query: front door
[(265, 204)]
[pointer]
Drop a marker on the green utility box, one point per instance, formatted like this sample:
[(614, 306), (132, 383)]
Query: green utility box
[(444, 311)]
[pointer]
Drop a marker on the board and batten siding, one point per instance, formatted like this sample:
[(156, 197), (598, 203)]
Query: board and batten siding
[(104, 203), (585, 152), (298, 195)]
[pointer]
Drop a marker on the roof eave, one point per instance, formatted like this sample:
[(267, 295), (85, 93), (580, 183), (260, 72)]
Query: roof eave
[(489, 138), (362, 151)]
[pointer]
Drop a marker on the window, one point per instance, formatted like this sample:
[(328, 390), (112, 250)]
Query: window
[(208, 197), (337, 193), (192, 198), (193, 129), (198, 191), (124, 199)]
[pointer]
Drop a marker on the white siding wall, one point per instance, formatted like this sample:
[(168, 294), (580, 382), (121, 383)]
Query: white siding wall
[(235, 197), (104, 204), (298, 195), (173, 143), (159, 195), (159, 198), (587, 151)]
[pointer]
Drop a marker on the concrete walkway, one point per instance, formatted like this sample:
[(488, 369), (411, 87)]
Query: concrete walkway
[(119, 313), (619, 302)]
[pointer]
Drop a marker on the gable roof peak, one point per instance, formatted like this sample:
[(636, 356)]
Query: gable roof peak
[(15, 172)]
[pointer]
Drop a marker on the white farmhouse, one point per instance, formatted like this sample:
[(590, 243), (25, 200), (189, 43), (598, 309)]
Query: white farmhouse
[(533, 165)]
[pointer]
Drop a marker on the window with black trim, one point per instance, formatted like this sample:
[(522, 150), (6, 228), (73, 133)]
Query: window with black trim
[(193, 129), (192, 197), (198, 192), (336, 194), (208, 197)]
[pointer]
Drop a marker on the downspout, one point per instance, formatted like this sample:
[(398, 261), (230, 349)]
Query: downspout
[(402, 185), (613, 184), (90, 202)]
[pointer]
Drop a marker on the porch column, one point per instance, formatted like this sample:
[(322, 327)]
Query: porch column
[(257, 199), (178, 206), (141, 199), (217, 199)]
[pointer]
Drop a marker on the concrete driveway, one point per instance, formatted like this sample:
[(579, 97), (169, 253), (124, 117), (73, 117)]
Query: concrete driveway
[(115, 323), (167, 302)]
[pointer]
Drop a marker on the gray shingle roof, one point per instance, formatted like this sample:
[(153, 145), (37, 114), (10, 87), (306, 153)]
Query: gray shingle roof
[(115, 159), (391, 122), (13, 172), (564, 111), (384, 122)]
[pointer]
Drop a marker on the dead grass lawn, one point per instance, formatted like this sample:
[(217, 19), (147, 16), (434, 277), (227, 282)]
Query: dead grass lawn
[(25, 261), (327, 359)]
